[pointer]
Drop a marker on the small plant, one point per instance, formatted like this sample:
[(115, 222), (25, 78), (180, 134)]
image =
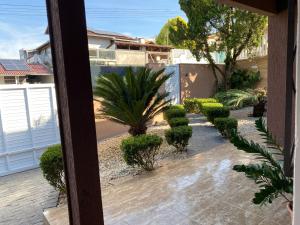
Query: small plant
[(226, 125), (174, 112), (179, 137), (51, 163), (190, 105), (269, 174), (236, 99), (141, 150), (212, 113), (178, 121), (243, 79)]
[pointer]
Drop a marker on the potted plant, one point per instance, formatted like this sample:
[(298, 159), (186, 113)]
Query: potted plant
[(268, 172), (260, 106)]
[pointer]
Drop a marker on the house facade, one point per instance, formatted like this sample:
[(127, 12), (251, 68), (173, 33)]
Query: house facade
[(108, 48), (14, 71)]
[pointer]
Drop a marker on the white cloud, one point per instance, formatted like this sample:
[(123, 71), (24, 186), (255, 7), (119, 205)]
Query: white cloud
[(13, 38), (127, 33)]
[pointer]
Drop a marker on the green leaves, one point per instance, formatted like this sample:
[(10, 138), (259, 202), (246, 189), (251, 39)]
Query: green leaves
[(133, 99), (235, 98), (268, 175), (213, 27)]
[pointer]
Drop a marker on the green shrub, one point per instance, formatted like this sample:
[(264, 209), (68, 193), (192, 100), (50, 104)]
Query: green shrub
[(201, 101), (174, 112), (178, 106), (243, 79), (226, 125), (51, 163), (179, 137), (191, 105), (178, 121), (212, 113), (141, 150), (236, 99), (206, 106)]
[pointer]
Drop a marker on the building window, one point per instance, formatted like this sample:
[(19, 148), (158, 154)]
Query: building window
[(9, 80), (93, 53)]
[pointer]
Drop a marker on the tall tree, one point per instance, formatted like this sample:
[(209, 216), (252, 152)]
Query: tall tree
[(163, 38), (233, 30)]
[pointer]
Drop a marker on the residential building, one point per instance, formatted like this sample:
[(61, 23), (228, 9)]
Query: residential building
[(14, 71), (108, 48)]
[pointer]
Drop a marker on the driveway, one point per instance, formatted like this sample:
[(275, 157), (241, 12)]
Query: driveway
[(24, 196)]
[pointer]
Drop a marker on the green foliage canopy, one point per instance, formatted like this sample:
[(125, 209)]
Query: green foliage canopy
[(164, 38), (213, 27)]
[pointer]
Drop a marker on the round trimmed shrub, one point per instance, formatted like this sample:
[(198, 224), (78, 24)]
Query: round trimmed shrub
[(179, 137), (141, 150), (51, 163), (173, 112), (212, 113), (190, 105), (178, 121), (209, 105), (226, 126)]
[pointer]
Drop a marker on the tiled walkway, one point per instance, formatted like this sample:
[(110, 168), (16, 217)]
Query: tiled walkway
[(201, 190), (23, 197)]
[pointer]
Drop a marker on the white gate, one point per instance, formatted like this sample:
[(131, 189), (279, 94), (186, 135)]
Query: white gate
[(28, 125), (173, 84)]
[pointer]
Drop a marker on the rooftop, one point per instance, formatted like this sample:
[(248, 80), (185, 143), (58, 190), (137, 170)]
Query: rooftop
[(16, 67)]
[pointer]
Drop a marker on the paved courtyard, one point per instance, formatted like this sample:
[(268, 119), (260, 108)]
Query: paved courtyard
[(23, 196), (200, 190)]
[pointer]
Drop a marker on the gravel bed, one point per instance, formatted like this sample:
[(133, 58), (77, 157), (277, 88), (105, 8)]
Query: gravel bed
[(113, 169)]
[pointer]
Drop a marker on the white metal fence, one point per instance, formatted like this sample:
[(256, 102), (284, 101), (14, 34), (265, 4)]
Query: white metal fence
[(28, 125)]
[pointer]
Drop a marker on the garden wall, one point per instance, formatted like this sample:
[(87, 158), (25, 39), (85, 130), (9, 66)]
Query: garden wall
[(257, 63), (197, 81)]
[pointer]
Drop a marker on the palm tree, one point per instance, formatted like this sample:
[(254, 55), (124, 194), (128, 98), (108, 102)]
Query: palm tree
[(133, 99)]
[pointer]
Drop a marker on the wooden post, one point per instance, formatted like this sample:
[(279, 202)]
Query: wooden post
[(289, 91), (68, 37)]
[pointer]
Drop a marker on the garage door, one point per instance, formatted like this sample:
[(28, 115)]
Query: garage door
[(28, 125)]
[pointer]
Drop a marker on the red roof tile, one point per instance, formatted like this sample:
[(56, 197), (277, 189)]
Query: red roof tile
[(35, 69)]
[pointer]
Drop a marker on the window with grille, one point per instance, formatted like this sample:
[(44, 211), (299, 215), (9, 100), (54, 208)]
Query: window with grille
[(9, 80)]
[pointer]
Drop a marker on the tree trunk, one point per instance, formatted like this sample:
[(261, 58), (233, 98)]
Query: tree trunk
[(138, 130), (229, 68)]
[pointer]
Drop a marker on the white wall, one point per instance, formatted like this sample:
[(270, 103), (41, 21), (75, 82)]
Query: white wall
[(99, 43)]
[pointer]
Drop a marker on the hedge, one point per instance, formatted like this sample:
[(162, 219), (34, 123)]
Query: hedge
[(174, 112), (179, 137), (215, 112), (178, 121), (141, 150), (207, 106), (226, 125)]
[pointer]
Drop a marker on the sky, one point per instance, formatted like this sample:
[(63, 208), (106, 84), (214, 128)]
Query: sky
[(23, 22)]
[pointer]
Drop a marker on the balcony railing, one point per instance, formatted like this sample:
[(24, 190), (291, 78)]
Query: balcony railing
[(102, 54)]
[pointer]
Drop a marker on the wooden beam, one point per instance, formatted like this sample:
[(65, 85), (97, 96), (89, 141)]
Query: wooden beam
[(265, 7), (289, 90), (69, 45)]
